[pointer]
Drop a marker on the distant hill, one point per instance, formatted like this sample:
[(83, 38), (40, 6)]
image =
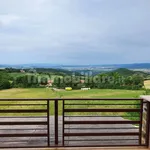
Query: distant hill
[(51, 71), (47, 65), (127, 72), (56, 71), (134, 66)]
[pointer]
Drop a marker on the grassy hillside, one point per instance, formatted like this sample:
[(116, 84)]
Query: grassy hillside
[(50, 71), (127, 72), (47, 93), (147, 84)]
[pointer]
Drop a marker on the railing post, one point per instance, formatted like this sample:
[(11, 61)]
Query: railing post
[(141, 122), (148, 125), (63, 115), (56, 122), (147, 99), (48, 124)]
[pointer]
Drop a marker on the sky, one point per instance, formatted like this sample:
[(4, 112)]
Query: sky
[(74, 31)]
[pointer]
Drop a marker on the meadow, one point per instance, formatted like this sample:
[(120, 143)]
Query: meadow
[(147, 84), (48, 93)]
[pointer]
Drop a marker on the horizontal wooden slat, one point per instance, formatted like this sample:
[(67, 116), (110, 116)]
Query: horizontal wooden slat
[(25, 117), (129, 146), (100, 116), (101, 110), (103, 134), (99, 104), (55, 99), (23, 135), (100, 140), (23, 129), (98, 99), (88, 128), (23, 104), (21, 147), (23, 123), (23, 111), (24, 99), (102, 122), (111, 145)]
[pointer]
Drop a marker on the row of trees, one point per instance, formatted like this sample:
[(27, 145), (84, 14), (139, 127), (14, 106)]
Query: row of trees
[(103, 81), (30, 81), (49, 71)]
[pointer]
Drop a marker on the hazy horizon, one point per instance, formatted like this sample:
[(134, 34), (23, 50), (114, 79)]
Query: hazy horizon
[(52, 64)]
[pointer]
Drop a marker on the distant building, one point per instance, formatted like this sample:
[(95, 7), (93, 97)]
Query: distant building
[(50, 83), (22, 71), (85, 89), (82, 81)]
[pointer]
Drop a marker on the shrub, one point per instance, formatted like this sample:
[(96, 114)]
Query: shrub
[(4, 84)]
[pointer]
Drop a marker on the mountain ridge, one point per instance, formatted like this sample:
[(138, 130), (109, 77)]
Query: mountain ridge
[(48, 65)]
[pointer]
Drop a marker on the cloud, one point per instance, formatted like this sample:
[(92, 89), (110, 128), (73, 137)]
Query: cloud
[(7, 19), (74, 31)]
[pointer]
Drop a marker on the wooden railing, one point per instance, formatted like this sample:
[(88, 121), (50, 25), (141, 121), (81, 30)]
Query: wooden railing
[(74, 122)]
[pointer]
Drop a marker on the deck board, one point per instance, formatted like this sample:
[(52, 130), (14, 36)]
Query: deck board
[(79, 141)]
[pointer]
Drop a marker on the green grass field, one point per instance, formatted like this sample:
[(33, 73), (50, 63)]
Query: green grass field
[(147, 84), (48, 93)]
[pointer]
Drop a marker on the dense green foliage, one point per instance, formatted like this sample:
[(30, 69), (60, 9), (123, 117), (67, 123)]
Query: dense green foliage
[(102, 81), (4, 80), (121, 79), (126, 72), (27, 78), (23, 82), (50, 71)]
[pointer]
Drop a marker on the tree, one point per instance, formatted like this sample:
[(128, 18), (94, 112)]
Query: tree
[(4, 81), (4, 84), (138, 80)]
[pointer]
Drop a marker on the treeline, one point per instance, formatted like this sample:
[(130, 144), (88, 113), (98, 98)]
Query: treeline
[(103, 81), (31, 81), (59, 72), (51, 71), (126, 72)]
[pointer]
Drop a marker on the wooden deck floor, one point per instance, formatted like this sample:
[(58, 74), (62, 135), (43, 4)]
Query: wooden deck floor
[(119, 148), (69, 141), (28, 141)]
